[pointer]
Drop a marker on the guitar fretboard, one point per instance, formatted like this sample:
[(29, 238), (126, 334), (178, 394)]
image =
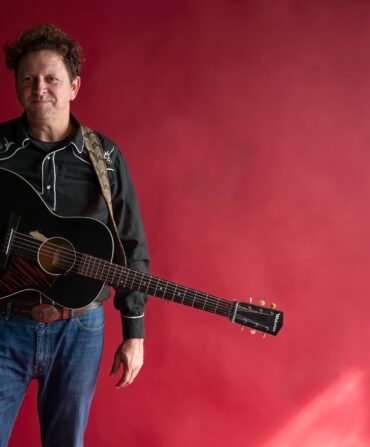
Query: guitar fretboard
[(118, 276)]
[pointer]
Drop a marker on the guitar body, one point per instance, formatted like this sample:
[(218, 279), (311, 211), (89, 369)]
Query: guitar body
[(24, 211), (69, 260)]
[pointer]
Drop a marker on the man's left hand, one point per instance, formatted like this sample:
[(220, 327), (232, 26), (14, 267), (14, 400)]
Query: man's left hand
[(131, 354)]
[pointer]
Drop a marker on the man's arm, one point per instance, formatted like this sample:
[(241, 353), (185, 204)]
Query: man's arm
[(130, 353)]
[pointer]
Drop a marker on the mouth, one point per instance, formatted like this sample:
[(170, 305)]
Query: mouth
[(42, 104), (40, 100)]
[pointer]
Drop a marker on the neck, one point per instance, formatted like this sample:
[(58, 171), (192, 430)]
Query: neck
[(50, 131)]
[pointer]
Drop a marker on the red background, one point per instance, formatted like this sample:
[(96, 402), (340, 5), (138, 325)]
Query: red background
[(246, 129)]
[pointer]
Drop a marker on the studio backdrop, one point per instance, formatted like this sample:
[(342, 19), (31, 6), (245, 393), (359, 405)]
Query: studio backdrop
[(245, 125)]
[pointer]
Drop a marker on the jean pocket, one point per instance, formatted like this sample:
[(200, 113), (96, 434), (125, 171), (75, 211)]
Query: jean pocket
[(91, 320)]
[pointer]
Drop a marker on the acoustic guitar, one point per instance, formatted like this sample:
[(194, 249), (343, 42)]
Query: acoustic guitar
[(69, 260)]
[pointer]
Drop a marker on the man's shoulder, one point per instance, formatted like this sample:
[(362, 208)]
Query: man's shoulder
[(8, 128), (9, 136), (106, 142), (112, 152)]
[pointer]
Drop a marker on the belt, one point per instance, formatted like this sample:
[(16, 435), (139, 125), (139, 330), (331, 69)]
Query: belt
[(46, 313)]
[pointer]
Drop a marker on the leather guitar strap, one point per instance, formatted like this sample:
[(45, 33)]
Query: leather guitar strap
[(95, 150)]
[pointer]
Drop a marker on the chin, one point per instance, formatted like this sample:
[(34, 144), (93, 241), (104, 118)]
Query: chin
[(39, 115)]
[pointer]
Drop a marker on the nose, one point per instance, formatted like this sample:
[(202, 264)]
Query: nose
[(39, 85)]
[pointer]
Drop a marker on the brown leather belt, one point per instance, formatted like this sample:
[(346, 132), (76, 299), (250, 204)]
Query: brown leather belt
[(46, 313)]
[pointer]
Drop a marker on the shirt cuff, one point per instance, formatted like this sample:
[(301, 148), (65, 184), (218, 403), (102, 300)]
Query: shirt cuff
[(132, 327)]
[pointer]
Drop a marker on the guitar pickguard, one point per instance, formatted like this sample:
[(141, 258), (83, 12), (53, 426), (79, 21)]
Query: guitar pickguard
[(23, 274)]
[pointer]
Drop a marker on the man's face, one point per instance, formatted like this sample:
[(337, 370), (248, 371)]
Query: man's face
[(44, 87)]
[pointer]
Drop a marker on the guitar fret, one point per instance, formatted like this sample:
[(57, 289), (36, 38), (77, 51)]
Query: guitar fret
[(215, 311), (138, 287), (127, 275), (202, 302), (164, 293), (174, 294), (147, 289), (114, 274), (109, 267), (133, 279), (199, 304), (95, 273), (99, 270), (84, 265), (155, 290), (195, 297), (88, 266), (205, 302)]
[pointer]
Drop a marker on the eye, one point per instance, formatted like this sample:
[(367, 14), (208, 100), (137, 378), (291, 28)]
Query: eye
[(52, 79)]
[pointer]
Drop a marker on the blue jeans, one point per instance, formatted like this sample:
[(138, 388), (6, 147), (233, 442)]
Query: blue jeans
[(64, 358)]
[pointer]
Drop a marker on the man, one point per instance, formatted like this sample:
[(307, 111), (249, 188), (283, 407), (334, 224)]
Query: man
[(46, 147)]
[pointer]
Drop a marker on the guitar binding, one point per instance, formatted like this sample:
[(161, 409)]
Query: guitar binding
[(10, 230)]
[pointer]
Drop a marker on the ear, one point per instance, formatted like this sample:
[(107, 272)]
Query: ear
[(75, 87)]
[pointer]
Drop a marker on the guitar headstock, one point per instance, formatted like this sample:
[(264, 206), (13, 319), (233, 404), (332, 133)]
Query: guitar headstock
[(258, 318)]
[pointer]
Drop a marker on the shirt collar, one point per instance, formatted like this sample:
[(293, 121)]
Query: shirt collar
[(77, 140)]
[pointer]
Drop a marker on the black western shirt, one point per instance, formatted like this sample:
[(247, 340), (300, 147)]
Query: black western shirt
[(64, 177)]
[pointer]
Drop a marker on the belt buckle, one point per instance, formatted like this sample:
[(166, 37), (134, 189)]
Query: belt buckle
[(44, 313)]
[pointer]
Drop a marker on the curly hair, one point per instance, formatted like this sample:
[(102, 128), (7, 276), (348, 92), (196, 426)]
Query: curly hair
[(45, 37)]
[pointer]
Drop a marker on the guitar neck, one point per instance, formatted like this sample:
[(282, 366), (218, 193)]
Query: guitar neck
[(57, 257), (51, 265), (118, 276)]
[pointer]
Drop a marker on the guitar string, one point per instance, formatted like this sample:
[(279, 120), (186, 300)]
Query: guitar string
[(223, 307), (30, 243), (134, 283), (133, 273)]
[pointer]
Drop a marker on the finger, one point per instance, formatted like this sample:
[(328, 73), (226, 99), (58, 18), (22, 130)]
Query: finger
[(128, 376), (124, 381), (116, 363), (127, 370)]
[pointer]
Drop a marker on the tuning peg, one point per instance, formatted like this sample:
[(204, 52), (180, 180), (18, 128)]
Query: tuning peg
[(261, 302), (250, 299), (253, 331), (264, 335), (273, 306), (241, 328)]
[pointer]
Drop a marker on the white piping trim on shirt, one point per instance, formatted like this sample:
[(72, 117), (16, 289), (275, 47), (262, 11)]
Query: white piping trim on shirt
[(77, 156), (18, 149), (132, 318), (6, 145), (52, 156), (78, 149)]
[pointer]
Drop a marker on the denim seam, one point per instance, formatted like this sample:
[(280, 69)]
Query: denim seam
[(89, 329)]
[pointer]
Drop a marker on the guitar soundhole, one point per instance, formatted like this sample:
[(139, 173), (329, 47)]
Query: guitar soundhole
[(56, 256)]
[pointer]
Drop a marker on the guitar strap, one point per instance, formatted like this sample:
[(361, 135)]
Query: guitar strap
[(95, 150)]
